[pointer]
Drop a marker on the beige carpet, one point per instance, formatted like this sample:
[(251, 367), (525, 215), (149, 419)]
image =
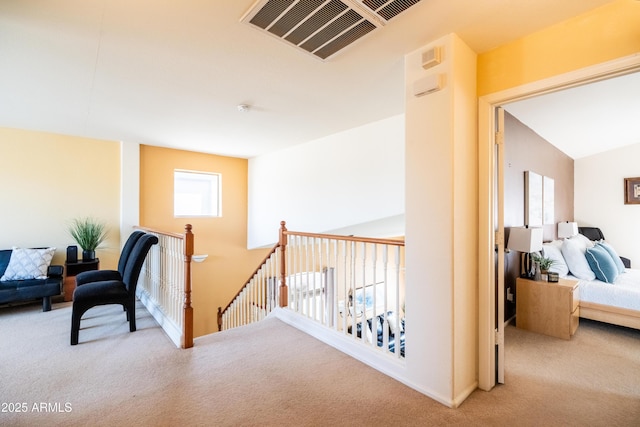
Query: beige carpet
[(273, 374)]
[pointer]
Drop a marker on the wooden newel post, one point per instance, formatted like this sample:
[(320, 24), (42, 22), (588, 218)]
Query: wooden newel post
[(284, 294), (188, 310), (219, 319)]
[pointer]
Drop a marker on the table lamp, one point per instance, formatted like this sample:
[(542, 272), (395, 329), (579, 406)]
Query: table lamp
[(567, 229), (527, 240)]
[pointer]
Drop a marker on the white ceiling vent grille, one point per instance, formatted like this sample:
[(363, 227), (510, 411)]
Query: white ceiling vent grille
[(387, 9), (323, 27)]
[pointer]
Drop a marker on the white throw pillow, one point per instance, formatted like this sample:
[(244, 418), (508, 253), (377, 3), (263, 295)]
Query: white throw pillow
[(583, 240), (553, 251), (556, 243), (27, 264), (573, 252), (393, 320)]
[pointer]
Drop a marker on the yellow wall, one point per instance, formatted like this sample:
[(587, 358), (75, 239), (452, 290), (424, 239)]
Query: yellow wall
[(606, 33), (224, 239), (47, 180)]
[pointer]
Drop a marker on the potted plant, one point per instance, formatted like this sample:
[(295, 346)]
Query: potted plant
[(543, 262), (89, 234)]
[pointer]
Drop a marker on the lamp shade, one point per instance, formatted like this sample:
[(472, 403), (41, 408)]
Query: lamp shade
[(567, 229), (525, 239)]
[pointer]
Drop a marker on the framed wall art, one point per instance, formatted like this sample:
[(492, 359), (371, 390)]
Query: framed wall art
[(632, 191), (532, 199), (539, 199), (548, 200)]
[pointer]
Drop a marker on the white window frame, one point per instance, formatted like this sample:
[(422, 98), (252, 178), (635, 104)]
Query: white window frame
[(197, 194)]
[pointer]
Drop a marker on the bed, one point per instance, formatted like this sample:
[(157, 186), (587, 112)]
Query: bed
[(608, 293), (617, 303)]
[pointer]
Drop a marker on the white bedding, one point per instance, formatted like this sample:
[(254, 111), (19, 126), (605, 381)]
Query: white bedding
[(306, 281), (623, 293)]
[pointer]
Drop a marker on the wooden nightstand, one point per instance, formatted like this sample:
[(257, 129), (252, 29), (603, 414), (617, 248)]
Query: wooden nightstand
[(548, 308), (70, 271)]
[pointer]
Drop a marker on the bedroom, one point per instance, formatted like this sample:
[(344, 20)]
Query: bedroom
[(588, 165)]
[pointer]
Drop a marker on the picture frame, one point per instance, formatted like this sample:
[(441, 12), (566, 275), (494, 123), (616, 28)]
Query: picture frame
[(533, 191), (539, 199), (548, 200), (632, 191)]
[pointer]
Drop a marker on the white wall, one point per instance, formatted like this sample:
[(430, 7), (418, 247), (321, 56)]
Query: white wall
[(442, 226), (599, 198), (129, 189), (348, 182)]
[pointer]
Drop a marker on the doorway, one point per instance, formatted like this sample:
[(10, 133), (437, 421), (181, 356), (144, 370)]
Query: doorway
[(491, 239)]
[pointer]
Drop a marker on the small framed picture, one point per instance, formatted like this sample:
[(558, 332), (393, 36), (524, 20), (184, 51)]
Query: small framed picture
[(632, 191)]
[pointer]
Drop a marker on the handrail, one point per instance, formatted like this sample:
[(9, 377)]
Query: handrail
[(264, 260), (164, 233), (373, 240), (166, 267), (271, 252)]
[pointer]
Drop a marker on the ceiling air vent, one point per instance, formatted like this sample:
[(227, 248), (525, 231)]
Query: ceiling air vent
[(387, 9), (323, 27)]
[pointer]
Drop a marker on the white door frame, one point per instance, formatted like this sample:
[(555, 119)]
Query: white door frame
[(487, 366)]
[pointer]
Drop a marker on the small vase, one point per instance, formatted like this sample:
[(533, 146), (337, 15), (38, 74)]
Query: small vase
[(537, 276), (88, 255)]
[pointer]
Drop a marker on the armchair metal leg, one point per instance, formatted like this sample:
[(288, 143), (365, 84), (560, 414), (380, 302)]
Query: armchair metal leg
[(131, 317), (75, 328)]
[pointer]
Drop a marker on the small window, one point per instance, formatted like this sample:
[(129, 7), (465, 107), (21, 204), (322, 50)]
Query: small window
[(196, 194)]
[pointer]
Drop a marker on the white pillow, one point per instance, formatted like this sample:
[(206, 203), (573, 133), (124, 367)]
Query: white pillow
[(27, 264), (394, 322), (556, 243), (583, 240), (553, 251), (573, 253)]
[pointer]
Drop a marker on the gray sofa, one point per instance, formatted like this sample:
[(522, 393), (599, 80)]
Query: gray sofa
[(28, 289)]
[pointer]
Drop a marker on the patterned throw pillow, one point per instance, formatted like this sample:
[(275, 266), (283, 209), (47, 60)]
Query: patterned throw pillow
[(28, 264)]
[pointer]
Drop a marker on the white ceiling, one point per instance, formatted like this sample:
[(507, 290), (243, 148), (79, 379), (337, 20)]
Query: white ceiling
[(588, 119), (171, 73)]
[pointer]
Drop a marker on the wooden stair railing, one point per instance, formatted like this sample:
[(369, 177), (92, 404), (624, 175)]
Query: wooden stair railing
[(325, 278), (258, 295), (165, 284)]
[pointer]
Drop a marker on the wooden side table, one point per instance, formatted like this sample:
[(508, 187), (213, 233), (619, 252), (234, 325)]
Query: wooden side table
[(71, 269), (548, 308)]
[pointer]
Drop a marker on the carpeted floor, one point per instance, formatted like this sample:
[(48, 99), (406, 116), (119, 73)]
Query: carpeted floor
[(272, 374)]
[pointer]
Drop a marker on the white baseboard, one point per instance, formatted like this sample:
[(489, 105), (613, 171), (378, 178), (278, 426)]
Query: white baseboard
[(172, 330)]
